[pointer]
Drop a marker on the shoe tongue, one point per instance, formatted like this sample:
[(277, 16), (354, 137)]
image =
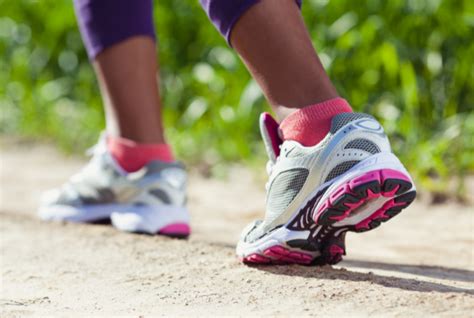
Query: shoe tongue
[(100, 147), (271, 139)]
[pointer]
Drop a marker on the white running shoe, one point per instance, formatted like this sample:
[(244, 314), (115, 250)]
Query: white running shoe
[(350, 181), (150, 200)]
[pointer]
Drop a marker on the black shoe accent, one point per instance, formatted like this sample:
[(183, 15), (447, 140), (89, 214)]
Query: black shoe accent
[(328, 258), (407, 197), (361, 190), (104, 221), (305, 245), (390, 184), (326, 218), (345, 198)]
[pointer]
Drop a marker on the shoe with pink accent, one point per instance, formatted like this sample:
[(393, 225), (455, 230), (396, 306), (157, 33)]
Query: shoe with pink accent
[(350, 181), (151, 200)]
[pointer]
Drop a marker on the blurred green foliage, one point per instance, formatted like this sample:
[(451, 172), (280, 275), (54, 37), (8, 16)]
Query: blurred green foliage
[(410, 63)]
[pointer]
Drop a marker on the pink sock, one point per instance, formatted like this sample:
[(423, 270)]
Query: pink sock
[(132, 156), (310, 125)]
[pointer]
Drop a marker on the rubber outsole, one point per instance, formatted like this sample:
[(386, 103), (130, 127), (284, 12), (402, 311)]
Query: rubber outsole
[(178, 231), (345, 202), (348, 199), (170, 235), (278, 254), (331, 252)]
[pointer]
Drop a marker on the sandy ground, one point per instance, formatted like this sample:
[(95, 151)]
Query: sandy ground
[(419, 264)]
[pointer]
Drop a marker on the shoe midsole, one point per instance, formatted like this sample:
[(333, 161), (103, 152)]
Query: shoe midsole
[(91, 213), (149, 219)]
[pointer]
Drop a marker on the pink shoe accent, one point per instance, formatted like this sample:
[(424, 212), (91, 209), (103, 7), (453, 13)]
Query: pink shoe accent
[(278, 254), (347, 189), (256, 258), (336, 250), (132, 156), (176, 229), (271, 131), (309, 125)]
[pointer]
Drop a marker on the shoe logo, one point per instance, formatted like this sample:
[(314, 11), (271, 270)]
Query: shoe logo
[(369, 124), (287, 154), (175, 177), (372, 160)]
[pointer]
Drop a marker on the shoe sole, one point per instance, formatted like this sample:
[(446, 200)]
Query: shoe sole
[(355, 196), (331, 254), (359, 203), (280, 252), (301, 241), (364, 203), (165, 220)]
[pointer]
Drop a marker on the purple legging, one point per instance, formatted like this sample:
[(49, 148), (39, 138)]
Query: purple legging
[(107, 22)]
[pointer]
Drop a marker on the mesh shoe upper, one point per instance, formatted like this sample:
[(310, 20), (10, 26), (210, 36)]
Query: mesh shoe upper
[(295, 171)]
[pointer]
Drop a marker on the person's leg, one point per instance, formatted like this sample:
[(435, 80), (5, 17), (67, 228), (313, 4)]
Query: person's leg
[(330, 170), (272, 40), (119, 37), (127, 74), (276, 47)]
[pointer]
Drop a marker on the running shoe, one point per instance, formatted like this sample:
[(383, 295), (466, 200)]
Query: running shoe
[(350, 181), (150, 200)]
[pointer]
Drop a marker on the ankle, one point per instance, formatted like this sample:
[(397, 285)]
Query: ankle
[(132, 156), (309, 125), (140, 136)]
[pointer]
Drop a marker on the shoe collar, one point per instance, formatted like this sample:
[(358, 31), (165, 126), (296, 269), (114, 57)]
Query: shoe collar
[(269, 128), (100, 152)]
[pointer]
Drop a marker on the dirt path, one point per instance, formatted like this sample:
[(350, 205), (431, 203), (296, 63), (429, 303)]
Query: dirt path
[(421, 263)]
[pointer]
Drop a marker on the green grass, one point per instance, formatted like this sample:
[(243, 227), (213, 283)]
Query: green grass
[(409, 63)]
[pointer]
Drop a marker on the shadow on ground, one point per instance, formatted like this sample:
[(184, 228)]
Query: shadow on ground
[(439, 272), (409, 284)]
